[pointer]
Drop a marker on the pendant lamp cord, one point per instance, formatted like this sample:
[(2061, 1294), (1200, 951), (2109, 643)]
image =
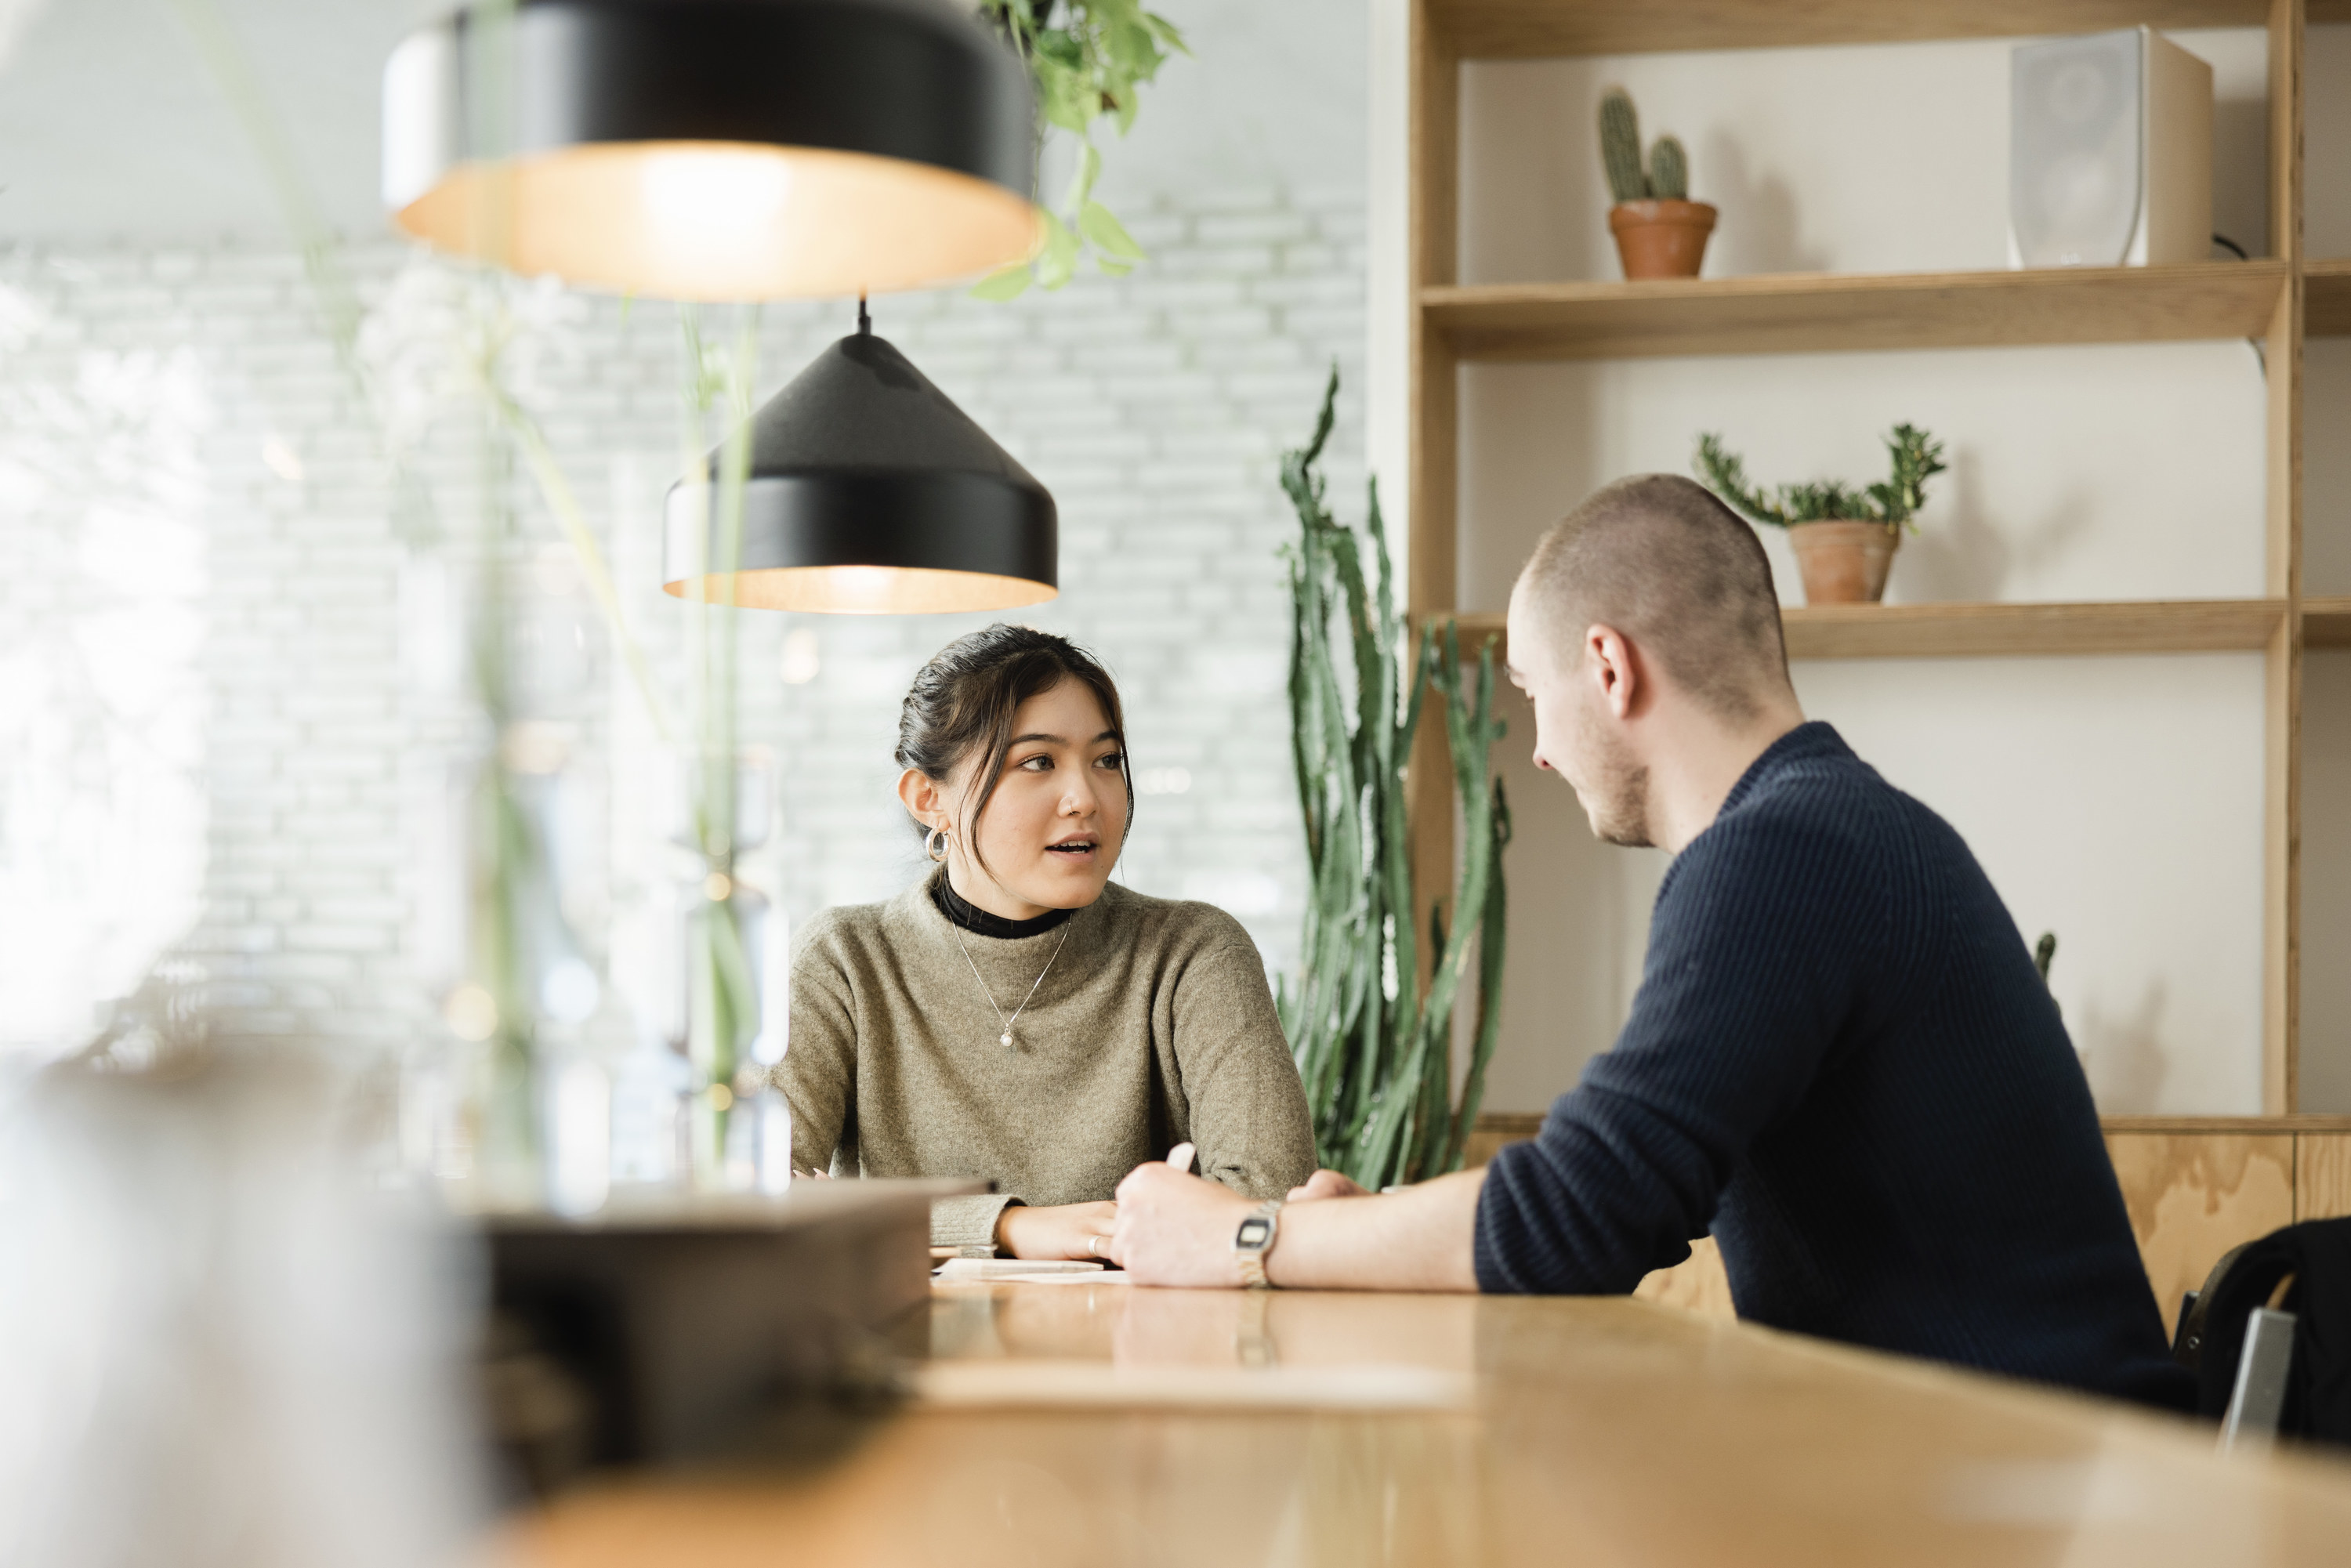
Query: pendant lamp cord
[(865, 322)]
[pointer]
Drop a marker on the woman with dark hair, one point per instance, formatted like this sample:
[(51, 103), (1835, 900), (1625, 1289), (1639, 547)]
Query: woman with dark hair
[(1014, 1015)]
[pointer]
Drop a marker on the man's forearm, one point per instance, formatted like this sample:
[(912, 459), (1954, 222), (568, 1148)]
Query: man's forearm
[(1421, 1239)]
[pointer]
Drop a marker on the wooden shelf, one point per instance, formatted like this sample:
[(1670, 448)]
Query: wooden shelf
[(1981, 630), (1997, 630), (2192, 1126), (2327, 298), (2326, 622), (1517, 29), (1785, 313)]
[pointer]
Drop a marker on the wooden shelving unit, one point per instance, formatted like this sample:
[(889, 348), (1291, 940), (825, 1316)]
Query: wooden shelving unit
[(2327, 287), (1828, 313), (2275, 301), (1524, 29), (2009, 630), (2326, 622)]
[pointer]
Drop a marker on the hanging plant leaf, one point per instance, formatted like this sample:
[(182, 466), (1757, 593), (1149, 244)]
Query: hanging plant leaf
[(1058, 262), (1108, 235), (1089, 60), (1010, 283), (1082, 180)]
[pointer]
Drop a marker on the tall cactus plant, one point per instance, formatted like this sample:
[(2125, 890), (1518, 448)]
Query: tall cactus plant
[(1373, 1042), (1666, 176), (1620, 146)]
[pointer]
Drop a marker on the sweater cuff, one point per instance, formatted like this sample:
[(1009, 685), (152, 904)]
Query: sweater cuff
[(969, 1222), (1488, 1246)]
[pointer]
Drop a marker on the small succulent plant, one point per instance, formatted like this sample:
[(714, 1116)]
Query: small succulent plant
[(1917, 458), (1666, 177)]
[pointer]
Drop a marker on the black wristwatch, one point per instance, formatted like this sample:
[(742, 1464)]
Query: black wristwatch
[(1253, 1240)]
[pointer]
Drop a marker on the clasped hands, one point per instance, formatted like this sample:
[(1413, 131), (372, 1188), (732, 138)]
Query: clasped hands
[(1174, 1228), (1167, 1226)]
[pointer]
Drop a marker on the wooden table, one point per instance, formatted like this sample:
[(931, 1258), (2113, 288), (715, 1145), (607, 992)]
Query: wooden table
[(1597, 1431)]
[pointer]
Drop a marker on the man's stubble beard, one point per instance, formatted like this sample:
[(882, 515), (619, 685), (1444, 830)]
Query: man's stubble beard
[(1617, 796), (1622, 817)]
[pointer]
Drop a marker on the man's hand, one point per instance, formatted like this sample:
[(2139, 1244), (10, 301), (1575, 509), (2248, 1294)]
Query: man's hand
[(1176, 1230), (1327, 1184), (1066, 1230)]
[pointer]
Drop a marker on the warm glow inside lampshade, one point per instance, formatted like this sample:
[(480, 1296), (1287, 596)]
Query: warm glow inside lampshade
[(717, 149), (870, 494), (872, 590)]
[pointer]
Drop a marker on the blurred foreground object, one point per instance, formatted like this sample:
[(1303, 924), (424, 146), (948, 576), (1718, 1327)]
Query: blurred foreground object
[(233, 1334), (714, 150), (664, 1329), (220, 1345)]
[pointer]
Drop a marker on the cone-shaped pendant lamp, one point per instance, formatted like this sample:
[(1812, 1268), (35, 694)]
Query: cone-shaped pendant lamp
[(715, 148), (870, 493)]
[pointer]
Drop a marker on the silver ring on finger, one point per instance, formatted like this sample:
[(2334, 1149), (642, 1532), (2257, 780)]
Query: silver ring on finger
[(1094, 1245)]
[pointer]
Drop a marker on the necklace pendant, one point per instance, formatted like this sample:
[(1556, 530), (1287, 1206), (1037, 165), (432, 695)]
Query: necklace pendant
[(1005, 1039)]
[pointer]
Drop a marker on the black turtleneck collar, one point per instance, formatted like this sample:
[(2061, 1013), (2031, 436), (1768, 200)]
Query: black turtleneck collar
[(980, 923)]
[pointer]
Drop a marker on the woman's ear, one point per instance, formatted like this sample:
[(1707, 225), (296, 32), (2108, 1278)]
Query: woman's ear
[(923, 797)]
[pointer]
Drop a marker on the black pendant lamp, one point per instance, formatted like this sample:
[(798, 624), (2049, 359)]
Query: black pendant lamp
[(717, 149), (870, 494)]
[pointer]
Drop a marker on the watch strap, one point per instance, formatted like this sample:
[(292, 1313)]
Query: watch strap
[(1253, 1240)]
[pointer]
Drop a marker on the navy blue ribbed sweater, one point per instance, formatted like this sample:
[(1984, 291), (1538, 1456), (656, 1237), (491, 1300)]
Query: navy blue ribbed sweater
[(1840, 1061)]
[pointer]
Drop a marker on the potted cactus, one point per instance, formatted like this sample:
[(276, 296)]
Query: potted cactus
[(1660, 232), (1844, 535)]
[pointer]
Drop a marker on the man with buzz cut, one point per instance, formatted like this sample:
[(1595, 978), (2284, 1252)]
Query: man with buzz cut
[(1840, 1060)]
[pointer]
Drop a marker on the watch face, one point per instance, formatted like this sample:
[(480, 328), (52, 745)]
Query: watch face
[(1253, 1234)]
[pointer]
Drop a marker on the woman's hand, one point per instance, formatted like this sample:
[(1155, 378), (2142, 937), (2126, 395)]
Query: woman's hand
[(1066, 1230), (1326, 1184)]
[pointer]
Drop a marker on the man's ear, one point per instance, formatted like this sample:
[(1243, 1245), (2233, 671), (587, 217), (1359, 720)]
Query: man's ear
[(1609, 664), (923, 797)]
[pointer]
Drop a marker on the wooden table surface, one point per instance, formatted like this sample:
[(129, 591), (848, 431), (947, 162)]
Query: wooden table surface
[(1598, 1431)]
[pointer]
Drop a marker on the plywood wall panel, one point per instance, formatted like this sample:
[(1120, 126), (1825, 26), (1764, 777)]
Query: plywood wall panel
[(2193, 1196), (2322, 1176)]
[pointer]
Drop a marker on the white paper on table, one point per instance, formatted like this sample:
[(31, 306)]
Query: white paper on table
[(1015, 1267)]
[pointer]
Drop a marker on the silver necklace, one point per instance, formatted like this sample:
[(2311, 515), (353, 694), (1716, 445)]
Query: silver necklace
[(1005, 1039)]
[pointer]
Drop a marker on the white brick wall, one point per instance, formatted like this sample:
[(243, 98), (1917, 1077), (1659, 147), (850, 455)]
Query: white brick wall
[(1153, 407)]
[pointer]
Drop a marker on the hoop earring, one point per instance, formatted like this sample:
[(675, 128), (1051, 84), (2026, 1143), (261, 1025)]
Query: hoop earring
[(934, 844)]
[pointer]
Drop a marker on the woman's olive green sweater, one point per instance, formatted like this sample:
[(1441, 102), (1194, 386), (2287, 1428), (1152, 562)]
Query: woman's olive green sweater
[(1154, 1027)]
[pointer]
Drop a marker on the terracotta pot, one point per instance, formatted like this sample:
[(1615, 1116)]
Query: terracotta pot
[(1661, 239), (1844, 564)]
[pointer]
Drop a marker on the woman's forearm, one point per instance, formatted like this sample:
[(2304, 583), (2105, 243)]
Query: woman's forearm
[(968, 1221)]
